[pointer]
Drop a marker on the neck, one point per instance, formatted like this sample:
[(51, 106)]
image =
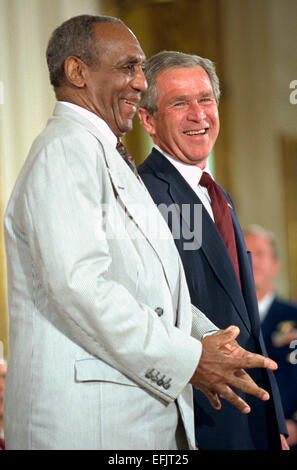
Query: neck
[(73, 96), (263, 291), (199, 163)]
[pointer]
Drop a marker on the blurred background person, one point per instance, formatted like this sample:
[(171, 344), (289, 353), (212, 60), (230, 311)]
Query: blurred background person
[(2, 385), (278, 320)]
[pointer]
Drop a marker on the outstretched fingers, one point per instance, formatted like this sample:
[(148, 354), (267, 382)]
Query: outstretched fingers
[(226, 341), (228, 394), (252, 360), (212, 398), (246, 384)]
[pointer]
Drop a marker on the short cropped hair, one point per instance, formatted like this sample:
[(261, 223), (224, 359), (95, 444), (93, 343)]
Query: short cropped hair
[(74, 37), (173, 59)]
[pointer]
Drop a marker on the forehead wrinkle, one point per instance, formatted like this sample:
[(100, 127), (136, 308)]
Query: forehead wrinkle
[(111, 37), (172, 80), (135, 58)]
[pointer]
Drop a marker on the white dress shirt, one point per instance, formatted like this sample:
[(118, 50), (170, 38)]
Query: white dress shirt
[(192, 174), (265, 304)]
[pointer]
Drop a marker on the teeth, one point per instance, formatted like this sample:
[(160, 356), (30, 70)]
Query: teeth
[(202, 131)]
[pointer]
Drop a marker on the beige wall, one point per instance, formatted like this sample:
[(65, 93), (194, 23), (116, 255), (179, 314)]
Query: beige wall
[(259, 41)]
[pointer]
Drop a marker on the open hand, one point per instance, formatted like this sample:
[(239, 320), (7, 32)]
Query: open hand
[(221, 367)]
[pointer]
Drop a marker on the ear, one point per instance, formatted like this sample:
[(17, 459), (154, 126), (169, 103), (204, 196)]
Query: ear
[(75, 71), (147, 120)]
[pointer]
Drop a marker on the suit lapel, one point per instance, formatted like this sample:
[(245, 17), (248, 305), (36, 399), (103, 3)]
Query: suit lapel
[(141, 208), (134, 196), (212, 244)]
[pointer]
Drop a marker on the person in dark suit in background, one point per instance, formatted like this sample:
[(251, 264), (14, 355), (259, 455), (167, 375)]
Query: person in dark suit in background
[(180, 112), (278, 321)]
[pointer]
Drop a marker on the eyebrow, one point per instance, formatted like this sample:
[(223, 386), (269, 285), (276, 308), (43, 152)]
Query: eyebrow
[(132, 60), (179, 98), (207, 94), (203, 94)]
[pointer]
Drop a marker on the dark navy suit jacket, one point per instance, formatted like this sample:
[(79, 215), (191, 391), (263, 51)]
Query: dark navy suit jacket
[(215, 290)]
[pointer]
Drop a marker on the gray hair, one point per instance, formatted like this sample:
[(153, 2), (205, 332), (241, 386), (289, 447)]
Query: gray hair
[(74, 37), (255, 229), (173, 59)]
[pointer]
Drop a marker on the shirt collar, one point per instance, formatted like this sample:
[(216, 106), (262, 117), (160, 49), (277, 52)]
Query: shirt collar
[(191, 173), (98, 122), (265, 304)]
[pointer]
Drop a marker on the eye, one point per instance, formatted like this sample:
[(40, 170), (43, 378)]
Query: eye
[(206, 99), (179, 103), (129, 67)]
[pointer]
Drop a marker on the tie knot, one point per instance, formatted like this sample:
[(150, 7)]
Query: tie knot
[(122, 149), (126, 156), (206, 180)]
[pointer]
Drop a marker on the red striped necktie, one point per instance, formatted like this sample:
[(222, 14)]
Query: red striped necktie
[(222, 217)]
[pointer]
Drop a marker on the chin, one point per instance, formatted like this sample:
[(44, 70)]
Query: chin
[(197, 160), (127, 127)]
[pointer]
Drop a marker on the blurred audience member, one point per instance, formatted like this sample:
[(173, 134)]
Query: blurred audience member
[(2, 385), (278, 319)]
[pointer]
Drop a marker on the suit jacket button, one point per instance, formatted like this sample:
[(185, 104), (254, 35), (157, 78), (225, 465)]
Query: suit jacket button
[(160, 382), (166, 385), (159, 311), (155, 377), (148, 375)]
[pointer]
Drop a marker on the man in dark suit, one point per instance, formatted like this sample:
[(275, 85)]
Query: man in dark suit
[(278, 321), (180, 112)]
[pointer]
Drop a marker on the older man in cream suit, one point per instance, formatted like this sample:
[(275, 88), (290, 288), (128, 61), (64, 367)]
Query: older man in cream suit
[(101, 352)]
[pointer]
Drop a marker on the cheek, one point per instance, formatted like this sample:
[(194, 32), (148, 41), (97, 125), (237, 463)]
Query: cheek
[(215, 122), (173, 127), (263, 269), (164, 127)]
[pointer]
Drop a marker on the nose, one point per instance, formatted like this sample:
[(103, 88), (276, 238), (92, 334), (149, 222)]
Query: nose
[(139, 82), (196, 112)]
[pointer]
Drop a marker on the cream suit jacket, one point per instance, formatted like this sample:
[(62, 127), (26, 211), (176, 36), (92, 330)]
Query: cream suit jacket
[(100, 346)]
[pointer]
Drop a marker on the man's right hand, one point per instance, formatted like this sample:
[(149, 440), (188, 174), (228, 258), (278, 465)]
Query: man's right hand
[(221, 367)]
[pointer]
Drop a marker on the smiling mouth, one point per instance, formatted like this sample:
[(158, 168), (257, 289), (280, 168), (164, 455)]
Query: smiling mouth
[(131, 103), (198, 132)]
